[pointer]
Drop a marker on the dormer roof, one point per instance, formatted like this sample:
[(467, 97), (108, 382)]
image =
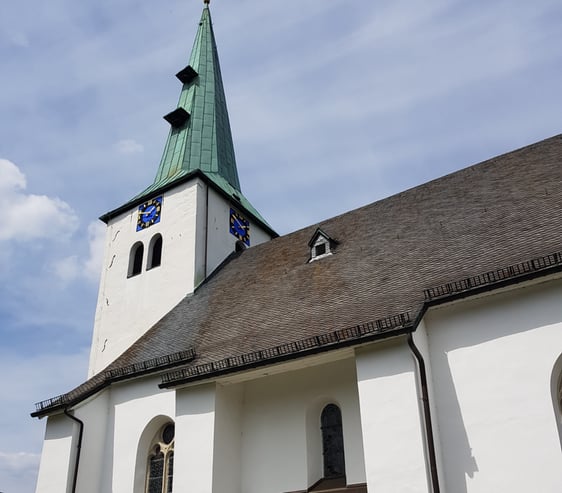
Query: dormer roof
[(321, 245)]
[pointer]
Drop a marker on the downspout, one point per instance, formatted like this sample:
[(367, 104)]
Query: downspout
[(426, 415), (78, 447)]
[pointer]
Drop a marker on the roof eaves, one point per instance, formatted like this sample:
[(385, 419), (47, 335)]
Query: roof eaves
[(107, 377), (378, 329), (240, 201), (383, 328), (496, 279)]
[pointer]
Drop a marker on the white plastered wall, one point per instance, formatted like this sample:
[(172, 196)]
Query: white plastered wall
[(58, 455), (393, 436), (227, 466), (280, 443), (196, 238), (135, 405), (96, 454), (113, 456), (195, 428), (221, 242), (128, 307), (492, 360)]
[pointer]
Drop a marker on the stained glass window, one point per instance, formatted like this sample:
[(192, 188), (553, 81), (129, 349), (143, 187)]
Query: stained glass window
[(160, 467), (332, 442)]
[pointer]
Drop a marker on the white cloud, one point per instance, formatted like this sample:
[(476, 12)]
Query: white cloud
[(18, 461), (96, 236), (129, 146), (18, 470), (67, 269), (12, 177), (21, 435), (19, 39), (28, 216), (72, 267)]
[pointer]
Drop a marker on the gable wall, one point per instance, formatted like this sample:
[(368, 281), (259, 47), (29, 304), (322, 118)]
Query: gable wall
[(221, 242)]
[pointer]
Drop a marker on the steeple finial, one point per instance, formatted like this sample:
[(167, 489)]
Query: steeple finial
[(206, 2)]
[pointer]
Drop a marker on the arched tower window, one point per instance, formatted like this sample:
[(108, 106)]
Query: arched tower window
[(332, 442), (155, 252), (135, 259), (160, 467)]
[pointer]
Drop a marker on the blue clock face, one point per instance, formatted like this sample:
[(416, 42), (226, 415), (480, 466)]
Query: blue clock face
[(149, 213), (239, 227)]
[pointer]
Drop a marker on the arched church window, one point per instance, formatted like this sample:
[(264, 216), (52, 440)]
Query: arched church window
[(160, 467), (155, 252), (135, 259), (332, 442)]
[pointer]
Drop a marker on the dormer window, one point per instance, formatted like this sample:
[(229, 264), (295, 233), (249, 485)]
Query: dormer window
[(321, 245), (319, 249)]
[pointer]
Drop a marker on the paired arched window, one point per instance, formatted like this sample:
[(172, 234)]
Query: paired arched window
[(160, 467), (136, 256), (154, 252), (332, 442), (135, 259)]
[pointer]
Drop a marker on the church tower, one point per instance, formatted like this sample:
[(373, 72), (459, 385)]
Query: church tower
[(164, 242)]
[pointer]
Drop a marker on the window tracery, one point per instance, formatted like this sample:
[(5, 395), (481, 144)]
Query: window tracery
[(160, 467)]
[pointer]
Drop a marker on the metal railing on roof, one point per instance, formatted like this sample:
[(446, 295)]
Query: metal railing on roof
[(292, 348), (150, 364), (116, 374), (496, 276)]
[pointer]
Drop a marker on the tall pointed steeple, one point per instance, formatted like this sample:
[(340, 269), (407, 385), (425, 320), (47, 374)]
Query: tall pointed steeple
[(204, 140), (200, 138), (165, 242)]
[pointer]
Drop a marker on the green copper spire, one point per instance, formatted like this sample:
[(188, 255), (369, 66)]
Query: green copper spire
[(200, 139), (204, 141)]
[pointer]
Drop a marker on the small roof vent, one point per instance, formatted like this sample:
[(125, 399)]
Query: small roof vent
[(321, 245), (177, 118), (187, 74)]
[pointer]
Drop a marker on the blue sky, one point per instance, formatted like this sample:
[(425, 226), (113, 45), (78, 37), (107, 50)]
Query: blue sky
[(333, 105)]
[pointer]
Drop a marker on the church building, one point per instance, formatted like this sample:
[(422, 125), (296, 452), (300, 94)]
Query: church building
[(411, 345)]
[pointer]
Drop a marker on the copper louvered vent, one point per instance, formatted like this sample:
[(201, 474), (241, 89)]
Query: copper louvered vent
[(187, 74), (177, 118)]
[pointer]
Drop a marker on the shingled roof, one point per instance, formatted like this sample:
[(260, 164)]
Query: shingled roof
[(489, 220)]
